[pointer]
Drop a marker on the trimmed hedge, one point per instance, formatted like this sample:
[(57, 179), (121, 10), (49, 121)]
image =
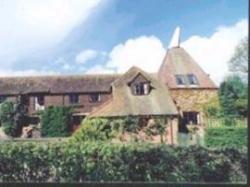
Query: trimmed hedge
[(226, 137), (100, 161)]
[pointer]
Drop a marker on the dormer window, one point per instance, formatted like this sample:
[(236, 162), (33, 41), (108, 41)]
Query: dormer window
[(180, 79), (141, 88), (192, 79)]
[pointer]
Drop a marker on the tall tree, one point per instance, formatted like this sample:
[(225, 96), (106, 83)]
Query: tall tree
[(233, 97), (239, 61)]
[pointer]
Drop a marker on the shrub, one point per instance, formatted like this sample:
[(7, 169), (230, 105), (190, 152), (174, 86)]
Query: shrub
[(130, 127), (226, 136), (100, 161), (13, 117), (7, 118), (56, 121), (97, 129)]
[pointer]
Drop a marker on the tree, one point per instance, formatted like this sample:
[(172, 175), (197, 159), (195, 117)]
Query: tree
[(212, 108), (233, 97), (239, 61), (56, 121), (13, 116), (7, 119)]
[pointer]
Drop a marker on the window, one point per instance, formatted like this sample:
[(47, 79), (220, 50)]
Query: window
[(180, 79), (95, 97), (190, 117), (2, 98), (192, 79), (141, 89), (74, 98), (40, 99)]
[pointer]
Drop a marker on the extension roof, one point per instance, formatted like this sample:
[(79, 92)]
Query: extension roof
[(56, 84), (124, 103), (178, 61)]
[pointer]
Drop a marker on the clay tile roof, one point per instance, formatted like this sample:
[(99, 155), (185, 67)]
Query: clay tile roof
[(57, 84), (178, 61), (123, 102)]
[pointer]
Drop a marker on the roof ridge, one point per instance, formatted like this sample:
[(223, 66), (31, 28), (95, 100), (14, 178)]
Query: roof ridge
[(60, 76)]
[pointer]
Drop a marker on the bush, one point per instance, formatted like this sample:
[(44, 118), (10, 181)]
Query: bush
[(100, 161), (226, 136), (56, 121), (103, 129), (97, 129), (7, 118), (13, 116)]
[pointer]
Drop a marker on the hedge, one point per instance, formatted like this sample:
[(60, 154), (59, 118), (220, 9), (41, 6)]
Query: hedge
[(100, 161), (226, 137)]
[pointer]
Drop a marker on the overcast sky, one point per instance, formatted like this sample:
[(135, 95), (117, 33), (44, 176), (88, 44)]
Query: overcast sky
[(105, 36)]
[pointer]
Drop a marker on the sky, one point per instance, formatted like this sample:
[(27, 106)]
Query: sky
[(53, 37)]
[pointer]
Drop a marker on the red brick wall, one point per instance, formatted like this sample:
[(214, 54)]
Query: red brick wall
[(84, 105)]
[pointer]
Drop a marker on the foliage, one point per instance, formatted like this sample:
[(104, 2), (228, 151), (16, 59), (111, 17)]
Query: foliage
[(6, 118), (97, 129), (131, 124), (100, 161), (226, 136), (56, 121), (13, 117), (212, 108), (239, 61), (233, 97), (93, 129), (158, 127)]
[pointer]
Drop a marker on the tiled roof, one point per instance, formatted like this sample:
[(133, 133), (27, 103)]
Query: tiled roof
[(56, 84), (178, 61)]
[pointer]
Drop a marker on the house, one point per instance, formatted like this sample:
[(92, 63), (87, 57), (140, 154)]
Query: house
[(176, 92)]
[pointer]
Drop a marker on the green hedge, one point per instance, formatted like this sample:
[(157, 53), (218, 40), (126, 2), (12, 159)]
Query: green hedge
[(100, 161), (226, 137)]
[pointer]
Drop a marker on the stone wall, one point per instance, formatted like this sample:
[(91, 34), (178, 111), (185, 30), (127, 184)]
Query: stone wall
[(192, 99)]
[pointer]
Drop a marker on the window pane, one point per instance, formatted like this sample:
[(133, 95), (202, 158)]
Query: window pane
[(95, 97), (180, 79), (74, 98), (192, 79), (40, 100), (140, 89), (146, 88)]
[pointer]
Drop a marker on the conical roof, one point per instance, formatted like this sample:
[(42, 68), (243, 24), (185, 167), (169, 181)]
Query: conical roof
[(178, 62)]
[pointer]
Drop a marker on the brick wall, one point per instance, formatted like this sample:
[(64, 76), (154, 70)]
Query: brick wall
[(84, 105)]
